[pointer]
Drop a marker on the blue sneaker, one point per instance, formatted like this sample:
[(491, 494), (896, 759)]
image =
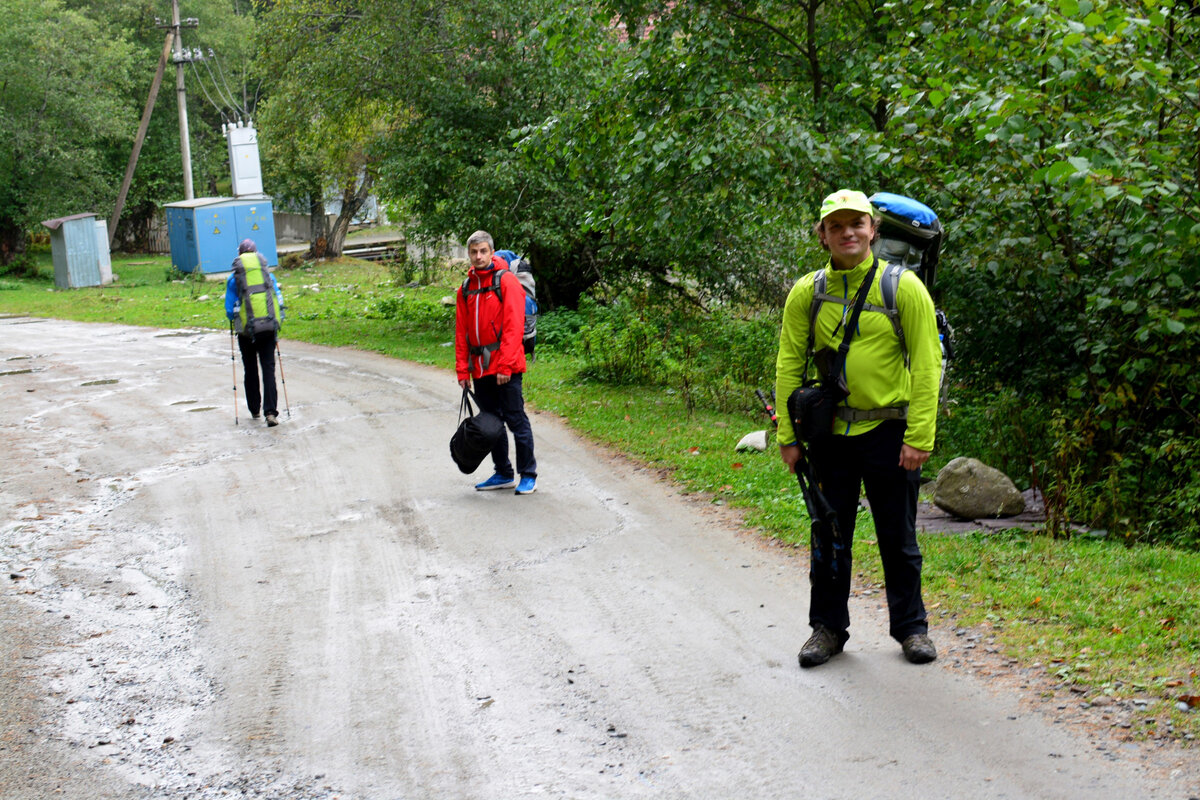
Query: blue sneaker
[(497, 481), (528, 485)]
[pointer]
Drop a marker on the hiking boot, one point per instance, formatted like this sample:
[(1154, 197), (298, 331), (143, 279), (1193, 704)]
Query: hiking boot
[(528, 485), (497, 481), (919, 649), (272, 420), (823, 645)]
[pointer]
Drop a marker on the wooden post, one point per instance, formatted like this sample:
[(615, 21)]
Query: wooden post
[(141, 137)]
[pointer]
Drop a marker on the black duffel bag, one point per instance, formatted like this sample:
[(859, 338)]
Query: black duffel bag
[(477, 434)]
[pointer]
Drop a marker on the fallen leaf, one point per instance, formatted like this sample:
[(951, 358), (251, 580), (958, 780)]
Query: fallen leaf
[(737, 465), (1192, 700)]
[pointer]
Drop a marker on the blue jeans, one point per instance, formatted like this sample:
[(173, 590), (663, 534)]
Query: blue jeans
[(507, 402)]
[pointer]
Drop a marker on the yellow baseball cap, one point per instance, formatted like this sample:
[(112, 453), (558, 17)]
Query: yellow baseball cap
[(846, 200)]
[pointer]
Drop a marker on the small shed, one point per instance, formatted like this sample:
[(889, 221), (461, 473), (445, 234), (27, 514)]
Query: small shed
[(205, 232), (77, 251)]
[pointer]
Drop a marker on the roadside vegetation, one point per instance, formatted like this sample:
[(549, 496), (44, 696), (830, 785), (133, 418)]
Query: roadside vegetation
[(650, 375)]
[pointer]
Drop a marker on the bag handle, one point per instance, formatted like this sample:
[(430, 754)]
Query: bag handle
[(465, 404)]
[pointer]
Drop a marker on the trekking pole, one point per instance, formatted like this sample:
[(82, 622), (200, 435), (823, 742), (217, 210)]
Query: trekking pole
[(233, 369), (821, 514), (283, 378)]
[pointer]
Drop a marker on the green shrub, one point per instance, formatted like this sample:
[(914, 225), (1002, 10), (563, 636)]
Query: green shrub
[(626, 351), (558, 330)]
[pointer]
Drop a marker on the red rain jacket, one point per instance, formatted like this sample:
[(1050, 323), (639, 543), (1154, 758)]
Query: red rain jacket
[(482, 321)]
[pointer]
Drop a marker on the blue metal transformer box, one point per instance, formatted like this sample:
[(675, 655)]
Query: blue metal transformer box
[(205, 232)]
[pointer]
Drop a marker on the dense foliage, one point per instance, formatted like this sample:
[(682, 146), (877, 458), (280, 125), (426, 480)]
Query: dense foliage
[(59, 107)]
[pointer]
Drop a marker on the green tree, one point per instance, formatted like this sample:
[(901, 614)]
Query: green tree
[(60, 107), (456, 83)]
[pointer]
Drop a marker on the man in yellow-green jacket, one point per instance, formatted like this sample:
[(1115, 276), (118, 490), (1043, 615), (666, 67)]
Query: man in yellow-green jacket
[(884, 430)]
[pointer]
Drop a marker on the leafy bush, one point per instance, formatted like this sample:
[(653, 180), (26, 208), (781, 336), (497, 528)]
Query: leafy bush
[(624, 350), (715, 359), (558, 330), (969, 423), (23, 265)]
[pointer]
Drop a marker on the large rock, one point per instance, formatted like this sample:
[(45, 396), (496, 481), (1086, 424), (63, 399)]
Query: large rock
[(968, 488)]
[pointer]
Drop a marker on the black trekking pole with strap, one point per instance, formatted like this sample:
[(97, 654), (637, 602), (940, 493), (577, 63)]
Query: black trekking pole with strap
[(283, 378), (233, 369), (824, 527)]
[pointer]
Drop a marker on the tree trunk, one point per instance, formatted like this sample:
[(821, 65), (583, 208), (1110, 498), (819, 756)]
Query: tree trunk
[(352, 201), (12, 242), (318, 225)]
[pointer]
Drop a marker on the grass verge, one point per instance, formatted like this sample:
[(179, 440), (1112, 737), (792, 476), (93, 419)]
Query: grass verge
[(1098, 617)]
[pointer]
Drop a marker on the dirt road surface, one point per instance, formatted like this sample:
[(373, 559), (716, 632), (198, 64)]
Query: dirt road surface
[(325, 609)]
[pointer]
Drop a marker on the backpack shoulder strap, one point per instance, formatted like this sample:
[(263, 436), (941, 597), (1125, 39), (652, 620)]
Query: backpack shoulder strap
[(819, 296), (889, 283), (497, 274), (497, 277)]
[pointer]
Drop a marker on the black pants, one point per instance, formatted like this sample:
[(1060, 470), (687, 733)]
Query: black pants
[(259, 351), (507, 402), (841, 464)]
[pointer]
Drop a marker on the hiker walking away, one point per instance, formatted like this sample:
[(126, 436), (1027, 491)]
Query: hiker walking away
[(254, 305), (489, 326), (882, 431)]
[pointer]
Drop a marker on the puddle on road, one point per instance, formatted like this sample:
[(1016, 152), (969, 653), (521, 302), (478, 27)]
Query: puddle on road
[(184, 402), (178, 333), (18, 372), (203, 408), (105, 382)]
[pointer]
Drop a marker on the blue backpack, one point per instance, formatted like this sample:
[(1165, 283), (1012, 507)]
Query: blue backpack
[(519, 266), (909, 235)]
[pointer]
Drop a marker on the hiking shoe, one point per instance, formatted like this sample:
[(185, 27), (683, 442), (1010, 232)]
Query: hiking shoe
[(272, 420), (919, 649), (528, 485), (255, 415), (823, 645), (497, 481)]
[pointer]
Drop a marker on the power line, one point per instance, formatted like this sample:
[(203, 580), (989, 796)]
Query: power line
[(222, 74), (196, 75)]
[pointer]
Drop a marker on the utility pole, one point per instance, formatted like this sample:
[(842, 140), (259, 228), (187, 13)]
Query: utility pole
[(180, 60)]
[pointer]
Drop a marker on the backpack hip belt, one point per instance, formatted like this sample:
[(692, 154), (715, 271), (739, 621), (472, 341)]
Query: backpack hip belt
[(864, 414), (483, 352)]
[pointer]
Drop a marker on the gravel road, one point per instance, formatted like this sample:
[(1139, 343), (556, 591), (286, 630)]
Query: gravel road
[(194, 609)]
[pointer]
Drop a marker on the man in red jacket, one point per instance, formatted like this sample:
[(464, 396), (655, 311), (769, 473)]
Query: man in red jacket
[(489, 325)]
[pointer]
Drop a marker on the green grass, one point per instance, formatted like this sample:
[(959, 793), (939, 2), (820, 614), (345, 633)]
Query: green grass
[(1098, 615)]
